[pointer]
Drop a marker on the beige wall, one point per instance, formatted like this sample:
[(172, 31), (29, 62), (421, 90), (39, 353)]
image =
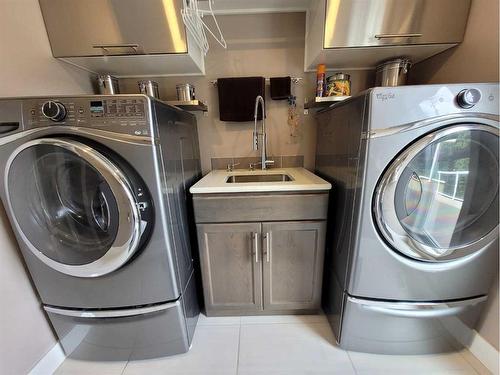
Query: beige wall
[(269, 45), (26, 68), (475, 60)]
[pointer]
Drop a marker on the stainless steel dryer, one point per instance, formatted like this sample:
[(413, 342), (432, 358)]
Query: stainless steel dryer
[(96, 190), (412, 242)]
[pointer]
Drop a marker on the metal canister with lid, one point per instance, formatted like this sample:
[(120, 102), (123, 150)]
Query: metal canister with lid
[(150, 88), (108, 85), (338, 84), (185, 92)]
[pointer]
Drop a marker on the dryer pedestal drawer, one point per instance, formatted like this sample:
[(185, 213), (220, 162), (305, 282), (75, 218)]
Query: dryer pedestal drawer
[(116, 335), (407, 328)]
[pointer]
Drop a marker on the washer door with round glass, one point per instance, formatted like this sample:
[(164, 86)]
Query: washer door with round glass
[(438, 200), (74, 209)]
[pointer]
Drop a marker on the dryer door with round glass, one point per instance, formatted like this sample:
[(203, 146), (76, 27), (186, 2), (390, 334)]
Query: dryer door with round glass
[(438, 200), (73, 207)]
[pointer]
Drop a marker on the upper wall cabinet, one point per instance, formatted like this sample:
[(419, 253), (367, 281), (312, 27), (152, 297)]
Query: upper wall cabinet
[(122, 37), (361, 33)]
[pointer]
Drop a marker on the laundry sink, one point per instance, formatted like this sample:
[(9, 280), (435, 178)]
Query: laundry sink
[(277, 177), (275, 180)]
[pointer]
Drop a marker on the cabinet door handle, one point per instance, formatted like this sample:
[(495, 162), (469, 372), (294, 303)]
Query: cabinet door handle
[(107, 47), (256, 246), (268, 247), (391, 36)]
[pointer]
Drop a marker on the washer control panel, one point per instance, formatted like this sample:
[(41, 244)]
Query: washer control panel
[(120, 114)]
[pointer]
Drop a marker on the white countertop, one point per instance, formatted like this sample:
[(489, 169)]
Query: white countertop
[(303, 180)]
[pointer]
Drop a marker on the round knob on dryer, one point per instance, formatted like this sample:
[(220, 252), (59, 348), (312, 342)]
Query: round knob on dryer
[(54, 111), (468, 98)]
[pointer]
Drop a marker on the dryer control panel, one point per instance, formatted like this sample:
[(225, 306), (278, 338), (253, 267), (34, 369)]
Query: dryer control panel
[(119, 114)]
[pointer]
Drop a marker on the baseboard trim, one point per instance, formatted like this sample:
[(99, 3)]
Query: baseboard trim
[(50, 361), (484, 352), (481, 349)]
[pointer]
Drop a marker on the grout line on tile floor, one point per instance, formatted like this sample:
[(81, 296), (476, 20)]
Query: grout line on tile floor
[(471, 365), (239, 344), (126, 364), (123, 371), (350, 360)]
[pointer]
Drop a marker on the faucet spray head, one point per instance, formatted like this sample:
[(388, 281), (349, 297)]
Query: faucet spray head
[(255, 136)]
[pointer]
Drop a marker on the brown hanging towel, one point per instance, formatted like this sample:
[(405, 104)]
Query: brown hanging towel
[(281, 88), (237, 98)]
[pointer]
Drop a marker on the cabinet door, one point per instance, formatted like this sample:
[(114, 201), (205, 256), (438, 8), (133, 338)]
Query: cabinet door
[(364, 23), (114, 27), (293, 264), (230, 257)]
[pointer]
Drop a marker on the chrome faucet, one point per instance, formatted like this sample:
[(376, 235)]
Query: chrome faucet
[(255, 141)]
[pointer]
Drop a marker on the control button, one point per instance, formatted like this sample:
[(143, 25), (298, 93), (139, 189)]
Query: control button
[(468, 98), (54, 111), (80, 110), (137, 132)]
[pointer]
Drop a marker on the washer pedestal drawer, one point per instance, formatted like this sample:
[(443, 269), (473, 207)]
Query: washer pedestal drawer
[(115, 335), (407, 327)]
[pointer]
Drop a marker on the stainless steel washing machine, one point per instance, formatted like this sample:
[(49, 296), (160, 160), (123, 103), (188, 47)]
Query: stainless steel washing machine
[(96, 189), (412, 242)]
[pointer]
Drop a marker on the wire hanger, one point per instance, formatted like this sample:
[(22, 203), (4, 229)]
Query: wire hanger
[(192, 16), (220, 39)]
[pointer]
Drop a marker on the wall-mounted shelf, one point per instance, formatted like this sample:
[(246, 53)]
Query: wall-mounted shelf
[(189, 105), (322, 102)]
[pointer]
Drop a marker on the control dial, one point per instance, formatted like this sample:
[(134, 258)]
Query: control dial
[(468, 98), (54, 111)]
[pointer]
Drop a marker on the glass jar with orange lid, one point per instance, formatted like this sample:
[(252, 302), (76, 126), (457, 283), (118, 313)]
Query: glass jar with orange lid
[(338, 84)]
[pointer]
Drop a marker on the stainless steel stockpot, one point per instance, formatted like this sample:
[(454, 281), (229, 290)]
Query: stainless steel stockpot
[(393, 72)]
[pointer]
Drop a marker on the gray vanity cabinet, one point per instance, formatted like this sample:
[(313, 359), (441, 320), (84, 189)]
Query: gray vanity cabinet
[(261, 253), (251, 268), (230, 261), (293, 264)]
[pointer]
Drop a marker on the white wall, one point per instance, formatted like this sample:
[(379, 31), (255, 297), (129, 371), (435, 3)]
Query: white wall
[(27, 68)]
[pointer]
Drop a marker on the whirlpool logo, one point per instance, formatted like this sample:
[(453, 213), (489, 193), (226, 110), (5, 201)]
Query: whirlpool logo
[(385, 96)]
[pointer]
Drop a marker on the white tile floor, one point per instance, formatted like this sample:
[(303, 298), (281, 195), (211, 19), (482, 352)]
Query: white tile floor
[(276, 345)]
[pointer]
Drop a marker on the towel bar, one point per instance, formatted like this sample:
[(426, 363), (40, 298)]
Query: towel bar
[(295, 80)]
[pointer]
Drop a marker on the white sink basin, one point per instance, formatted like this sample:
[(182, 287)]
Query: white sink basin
[(242, 178)]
